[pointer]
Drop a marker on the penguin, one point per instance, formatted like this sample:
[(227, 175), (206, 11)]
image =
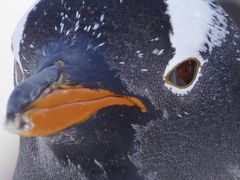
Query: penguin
[(134, 90)]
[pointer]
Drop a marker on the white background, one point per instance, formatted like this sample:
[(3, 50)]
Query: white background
[(10, 13)]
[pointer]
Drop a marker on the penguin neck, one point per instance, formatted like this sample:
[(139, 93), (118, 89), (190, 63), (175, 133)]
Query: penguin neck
[(100, 148), (49, 162)]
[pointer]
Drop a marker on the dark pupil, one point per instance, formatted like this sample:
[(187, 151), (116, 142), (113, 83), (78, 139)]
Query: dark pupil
[(184, 73)]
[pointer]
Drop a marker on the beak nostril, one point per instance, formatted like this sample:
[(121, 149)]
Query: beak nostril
[(59, 63), (63, 78)]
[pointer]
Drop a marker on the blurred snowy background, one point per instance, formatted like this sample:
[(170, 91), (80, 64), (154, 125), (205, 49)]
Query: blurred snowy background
[(10, 12)]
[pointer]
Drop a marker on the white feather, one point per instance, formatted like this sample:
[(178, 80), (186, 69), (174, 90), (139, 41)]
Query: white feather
[(192, 21)]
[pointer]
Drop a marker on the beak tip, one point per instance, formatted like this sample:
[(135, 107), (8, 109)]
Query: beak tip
[(18, 124)]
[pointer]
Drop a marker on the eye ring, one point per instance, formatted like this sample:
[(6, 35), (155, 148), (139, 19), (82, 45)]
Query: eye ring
[(191, 65)]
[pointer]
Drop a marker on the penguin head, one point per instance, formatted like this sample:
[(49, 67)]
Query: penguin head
[(128, 89)]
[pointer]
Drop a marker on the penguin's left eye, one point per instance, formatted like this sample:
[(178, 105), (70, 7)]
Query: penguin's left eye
[(184, 74)]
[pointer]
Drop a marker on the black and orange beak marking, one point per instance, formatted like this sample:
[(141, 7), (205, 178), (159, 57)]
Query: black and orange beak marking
[(68, 106), (37, 109)]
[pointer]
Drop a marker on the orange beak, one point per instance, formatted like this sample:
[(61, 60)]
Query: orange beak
[(68, 106)]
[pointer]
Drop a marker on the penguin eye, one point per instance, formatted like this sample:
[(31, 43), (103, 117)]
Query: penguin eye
[(184, 74)]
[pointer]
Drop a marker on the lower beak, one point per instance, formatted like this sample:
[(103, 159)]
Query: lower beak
[(65, 107)]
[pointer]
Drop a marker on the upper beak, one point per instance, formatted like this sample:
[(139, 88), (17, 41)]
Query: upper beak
[(42, 105)]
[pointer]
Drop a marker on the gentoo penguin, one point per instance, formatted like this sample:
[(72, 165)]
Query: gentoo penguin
[(126, 90)]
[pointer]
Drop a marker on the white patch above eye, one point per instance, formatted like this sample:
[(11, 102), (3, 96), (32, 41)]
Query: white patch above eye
[(193, 21), (17, 37)]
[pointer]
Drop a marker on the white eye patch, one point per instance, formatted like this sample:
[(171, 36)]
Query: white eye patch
[(195, 23)]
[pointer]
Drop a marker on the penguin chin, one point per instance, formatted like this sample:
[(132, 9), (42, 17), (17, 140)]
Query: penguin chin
[(111, 130), (112, 118), (114, 124)]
